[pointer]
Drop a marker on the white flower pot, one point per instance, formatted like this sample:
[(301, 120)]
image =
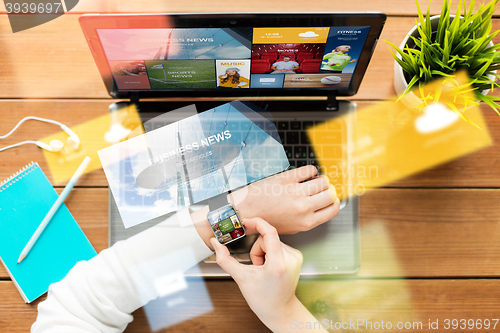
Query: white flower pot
[(400, 84)]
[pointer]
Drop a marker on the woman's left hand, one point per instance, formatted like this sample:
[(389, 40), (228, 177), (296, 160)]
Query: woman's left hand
[(291, 201)]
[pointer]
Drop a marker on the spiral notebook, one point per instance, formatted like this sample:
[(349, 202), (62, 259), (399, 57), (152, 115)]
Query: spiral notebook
[(25, 199)]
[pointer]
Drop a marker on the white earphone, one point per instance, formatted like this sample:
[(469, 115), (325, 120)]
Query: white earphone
[(54, 145)]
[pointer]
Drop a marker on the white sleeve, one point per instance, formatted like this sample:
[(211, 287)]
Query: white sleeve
[(99, 295)]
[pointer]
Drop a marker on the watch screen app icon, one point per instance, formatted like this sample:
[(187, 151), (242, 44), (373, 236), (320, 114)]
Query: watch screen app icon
[(226, 224)]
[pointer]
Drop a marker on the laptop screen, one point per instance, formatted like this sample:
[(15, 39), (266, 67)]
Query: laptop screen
[(169, 55), (228, 58)]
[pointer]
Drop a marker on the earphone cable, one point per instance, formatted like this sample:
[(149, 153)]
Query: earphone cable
[(25, 119), (18, 144)]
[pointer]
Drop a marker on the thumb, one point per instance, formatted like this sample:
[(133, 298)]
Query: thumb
[(225, 261)]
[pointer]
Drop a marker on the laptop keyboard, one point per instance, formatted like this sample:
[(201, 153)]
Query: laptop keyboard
[(300, 152)]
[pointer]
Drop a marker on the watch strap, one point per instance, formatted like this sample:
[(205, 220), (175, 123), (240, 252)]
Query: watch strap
[(217, 202)]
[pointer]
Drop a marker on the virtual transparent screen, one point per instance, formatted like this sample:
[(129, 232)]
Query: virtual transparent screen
[(394, 140), (191, 160), (94, 135), (173, 288)]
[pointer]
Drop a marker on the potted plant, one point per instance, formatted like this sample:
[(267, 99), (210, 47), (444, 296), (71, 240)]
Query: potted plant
[(440, 46)]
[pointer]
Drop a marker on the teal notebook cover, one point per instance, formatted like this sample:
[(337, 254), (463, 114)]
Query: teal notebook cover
[(25, 199)]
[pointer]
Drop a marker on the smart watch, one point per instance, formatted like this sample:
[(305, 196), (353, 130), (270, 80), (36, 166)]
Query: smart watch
[(224, 220)]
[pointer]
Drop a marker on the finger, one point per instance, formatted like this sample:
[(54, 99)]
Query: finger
[(293, 252), (316, 185), (257, 254), (327, 213), (323, 199), (225, 261), (271, 244), (293, 260), (303, 173), (291, 249)]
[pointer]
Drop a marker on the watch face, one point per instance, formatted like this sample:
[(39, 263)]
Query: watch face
[(226, 224)]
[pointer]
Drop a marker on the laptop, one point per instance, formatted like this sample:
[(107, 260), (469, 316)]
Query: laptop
[(292, 65)]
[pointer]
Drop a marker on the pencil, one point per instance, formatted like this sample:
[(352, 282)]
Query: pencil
[(54, 208)]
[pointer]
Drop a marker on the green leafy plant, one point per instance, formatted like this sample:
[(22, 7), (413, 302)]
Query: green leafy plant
[(457, 93), (460, 42)]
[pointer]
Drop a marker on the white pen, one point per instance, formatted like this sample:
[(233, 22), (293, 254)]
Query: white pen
[(54, 208)]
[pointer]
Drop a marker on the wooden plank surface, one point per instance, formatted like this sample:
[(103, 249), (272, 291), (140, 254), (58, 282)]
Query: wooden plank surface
[(430, 233), (65, 69), (414, 301), (475, 170), (404, 233), (444, 239), (390, 7)]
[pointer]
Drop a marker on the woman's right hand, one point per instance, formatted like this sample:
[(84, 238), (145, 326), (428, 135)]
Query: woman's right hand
[(269, 284)]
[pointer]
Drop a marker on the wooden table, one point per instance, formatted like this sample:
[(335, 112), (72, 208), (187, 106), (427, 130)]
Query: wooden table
[(429, 243)]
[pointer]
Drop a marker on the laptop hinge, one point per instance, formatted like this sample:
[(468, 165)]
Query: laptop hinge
[(331, 102), (134, 97)]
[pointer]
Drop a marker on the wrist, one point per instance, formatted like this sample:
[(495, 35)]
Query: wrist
[(292, 313), (281, 318), (240, 202)]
